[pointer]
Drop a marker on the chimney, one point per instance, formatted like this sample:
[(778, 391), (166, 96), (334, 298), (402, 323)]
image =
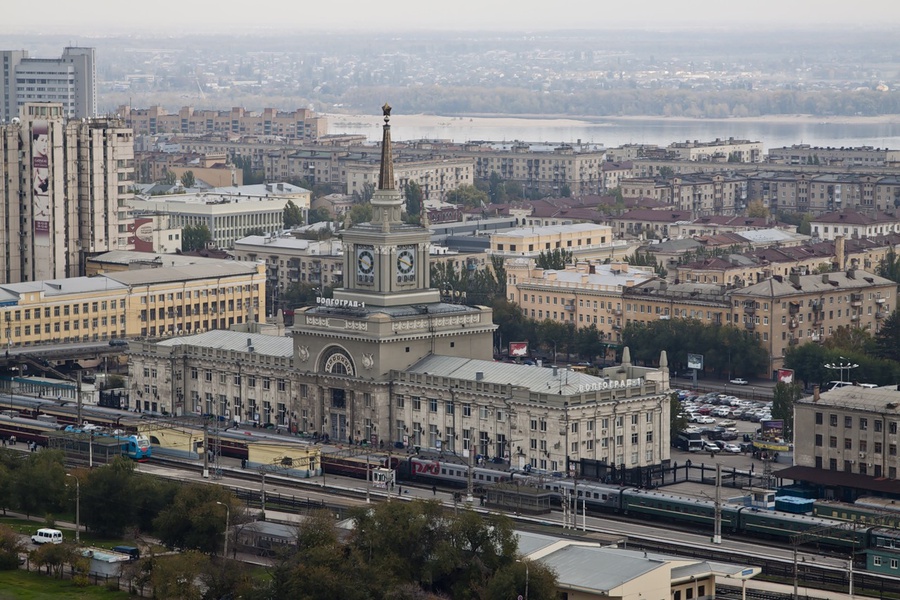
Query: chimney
[(816, 393), (851, 273), (794, 278), (839, 250), (826, 278)]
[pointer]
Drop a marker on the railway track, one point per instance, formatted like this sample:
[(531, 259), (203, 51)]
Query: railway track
[(341, 498)]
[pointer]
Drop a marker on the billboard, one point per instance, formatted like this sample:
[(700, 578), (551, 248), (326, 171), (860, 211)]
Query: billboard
[(785, 375), (695, 361), (143, 235), (518, 349), (40, 177)]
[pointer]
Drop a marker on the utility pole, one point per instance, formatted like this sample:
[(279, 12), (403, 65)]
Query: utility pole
[(205, 451), (717, 531)]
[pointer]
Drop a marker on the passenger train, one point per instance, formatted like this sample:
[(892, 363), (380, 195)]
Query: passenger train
[(39, 431)]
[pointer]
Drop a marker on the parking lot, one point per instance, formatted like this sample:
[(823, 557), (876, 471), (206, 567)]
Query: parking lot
[(724, 420)]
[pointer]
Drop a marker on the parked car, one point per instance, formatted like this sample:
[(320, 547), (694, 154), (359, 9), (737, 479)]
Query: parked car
[(705, 419), (727, 423), (739, 381), (710, 447), (732, 448)]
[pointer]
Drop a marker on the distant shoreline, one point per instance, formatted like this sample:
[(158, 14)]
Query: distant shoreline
[(423, 119)]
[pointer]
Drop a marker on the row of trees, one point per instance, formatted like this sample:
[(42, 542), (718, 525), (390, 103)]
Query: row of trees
[(727, 350), (396, 550)]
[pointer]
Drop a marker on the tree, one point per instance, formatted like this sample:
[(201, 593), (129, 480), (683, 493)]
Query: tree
[(646, 259), (106, 497), (175, 576), (783, 406), (54, 557), (169, 177), (509, 582), (553, 259), (188, 180), (360, 213), (195, 237), (293, 216), (299, 294), (414, 198), (10, 546), (468, 196), (887, 340), (666, 172), (40, 485), (318, 215), (565, 191), (850, 339), (255, 231), (677, 421), (194, 520), (889, 266), (757, 210), (365, 194)]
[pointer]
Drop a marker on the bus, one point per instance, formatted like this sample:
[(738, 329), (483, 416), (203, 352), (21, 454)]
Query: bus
[(689, 442)]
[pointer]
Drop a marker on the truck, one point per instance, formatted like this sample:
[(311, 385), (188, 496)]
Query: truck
[(689, 442)]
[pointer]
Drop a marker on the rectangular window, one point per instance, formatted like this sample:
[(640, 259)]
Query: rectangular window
[(432, 405), (848, 422), (863, 423), (832, 420), (818, 418)]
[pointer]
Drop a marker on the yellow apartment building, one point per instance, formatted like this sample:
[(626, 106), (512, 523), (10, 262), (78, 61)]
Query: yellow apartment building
[(147, 302), (583, 294)]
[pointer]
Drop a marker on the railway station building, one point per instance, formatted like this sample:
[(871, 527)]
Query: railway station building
[(385, 361), (850, 448)]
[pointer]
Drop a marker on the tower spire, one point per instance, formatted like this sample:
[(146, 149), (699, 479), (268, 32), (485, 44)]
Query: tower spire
[(386, 174)]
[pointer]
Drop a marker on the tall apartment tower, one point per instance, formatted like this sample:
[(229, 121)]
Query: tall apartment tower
[(70, 80), (70, 196)]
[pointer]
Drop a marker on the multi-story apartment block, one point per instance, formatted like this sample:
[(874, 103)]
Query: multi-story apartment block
[(436, 177), (541, 171), (848, 430), (301, 124), (854, 225), (860, 156), (68, 194), (733, 150), (228, 213), (145, 302), (583, 294), (70, 80), (786, 312), (701, 194)]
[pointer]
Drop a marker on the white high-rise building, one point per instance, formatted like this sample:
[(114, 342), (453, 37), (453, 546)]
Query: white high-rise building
[(67, 192), (70, 80)]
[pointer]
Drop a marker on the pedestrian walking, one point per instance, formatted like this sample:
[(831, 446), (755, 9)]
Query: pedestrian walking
[(434, 490)]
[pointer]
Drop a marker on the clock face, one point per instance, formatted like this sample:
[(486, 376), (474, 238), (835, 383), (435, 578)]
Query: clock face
[(365, 265), (406, 265)]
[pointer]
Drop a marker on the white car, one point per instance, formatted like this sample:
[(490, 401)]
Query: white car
[(705, 419), (732, 448), (727, 423), (739, 381)]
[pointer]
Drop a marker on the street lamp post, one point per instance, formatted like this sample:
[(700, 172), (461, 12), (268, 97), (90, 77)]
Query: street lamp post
[(227, 523), (77, 508), (844, 365), (525, 562)]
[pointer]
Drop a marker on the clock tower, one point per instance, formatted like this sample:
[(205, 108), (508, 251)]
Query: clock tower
[(386, 260), (383, 321)]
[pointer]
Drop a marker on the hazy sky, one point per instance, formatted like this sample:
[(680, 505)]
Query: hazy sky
[(93, 17)]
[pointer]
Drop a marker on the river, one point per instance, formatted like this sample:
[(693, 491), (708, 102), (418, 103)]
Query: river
[(773, 132)]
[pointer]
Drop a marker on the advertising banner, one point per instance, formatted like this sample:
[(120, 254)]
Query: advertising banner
[(518, 348), (695, 361), (40, 177), (786, 375), (143, 235)]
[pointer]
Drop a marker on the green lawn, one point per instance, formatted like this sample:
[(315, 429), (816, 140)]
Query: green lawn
[(22, 585)]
